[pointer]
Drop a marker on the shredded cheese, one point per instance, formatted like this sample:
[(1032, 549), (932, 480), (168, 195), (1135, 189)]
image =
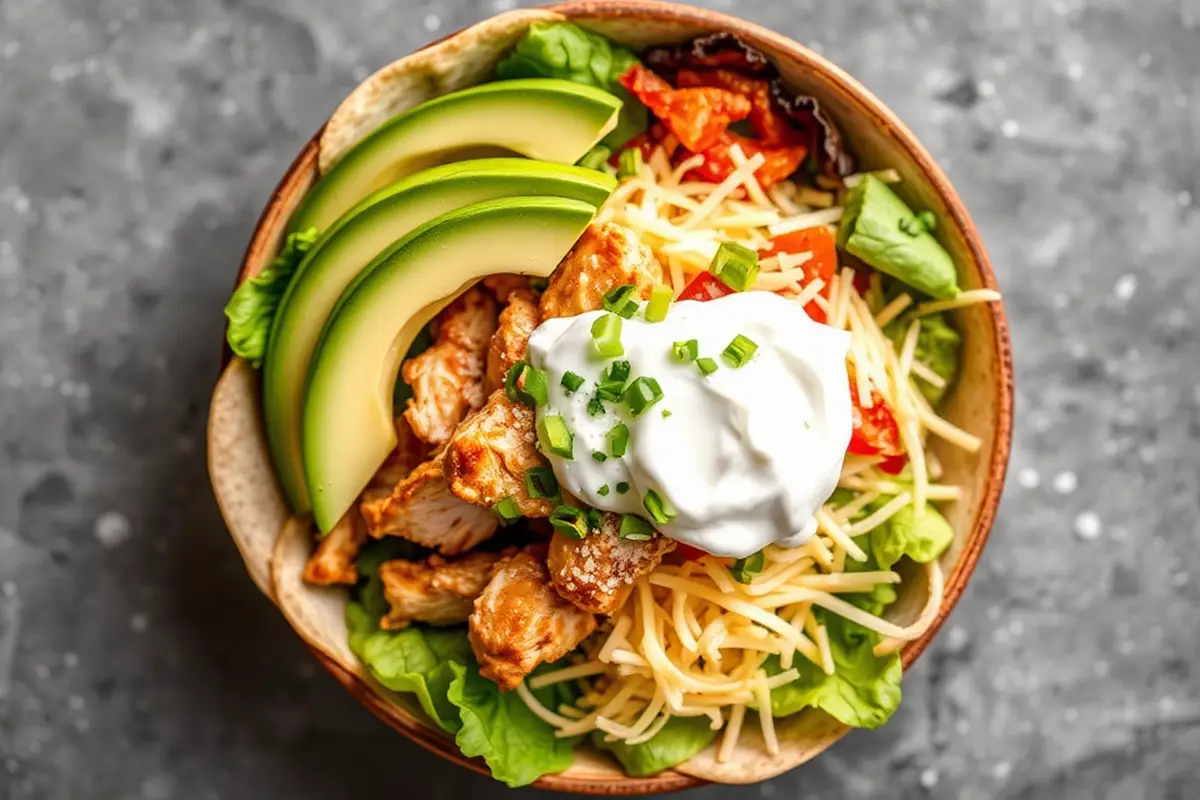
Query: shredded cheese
[(968, 298)]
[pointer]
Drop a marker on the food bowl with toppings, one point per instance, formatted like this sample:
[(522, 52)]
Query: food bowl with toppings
[(617, 399)]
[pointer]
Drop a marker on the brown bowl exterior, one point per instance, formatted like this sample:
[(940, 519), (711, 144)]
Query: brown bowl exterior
[(879, 138)]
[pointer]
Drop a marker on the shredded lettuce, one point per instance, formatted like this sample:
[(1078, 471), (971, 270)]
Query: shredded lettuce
[(921, 539), (252, 308), (437, 666), (566, 51), (680, 739), (938, 347)]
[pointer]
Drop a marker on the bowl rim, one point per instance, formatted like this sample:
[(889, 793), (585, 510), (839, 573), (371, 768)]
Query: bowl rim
[(874, 110)]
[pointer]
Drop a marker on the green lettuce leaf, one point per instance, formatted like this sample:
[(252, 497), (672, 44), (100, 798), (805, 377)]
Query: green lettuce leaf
[(680, 739), (938, 347), (566, 51), (863, 691), (883, 594), (369, 590), (252, 308), (877, 227), (516, 744), (904, 534)]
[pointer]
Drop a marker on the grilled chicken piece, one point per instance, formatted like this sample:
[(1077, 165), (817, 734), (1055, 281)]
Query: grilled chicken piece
[(408, 455), (605, 257), (503, 286), (490, 452), (333, 560), (436, 591), (597, 573), (520, 621), (422, 509), (447, 379), (511, 339)]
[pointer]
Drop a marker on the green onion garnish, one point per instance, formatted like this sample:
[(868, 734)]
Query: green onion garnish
[(540, 483), (635, 528), (659, 508), (603, 490), (630, 163), (617, 371), (599, 457), (595, 406), (660, 300), (686, 351), (535, 392), (618, 439), (744, 570), (611, 386), (666, 412), (508, 510), (596, 158), (928, 220), (706, 365), (621, 300), (606, 335), (739, 351), (622, 487), (595, 518), (571, 382), (569, 521), (736, 265), (641, 394), (554, 437)]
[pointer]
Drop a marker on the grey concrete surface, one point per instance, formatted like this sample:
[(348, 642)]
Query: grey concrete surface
[(138, 140)]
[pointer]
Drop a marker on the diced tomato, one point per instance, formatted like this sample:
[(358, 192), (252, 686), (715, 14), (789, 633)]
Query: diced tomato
[(771, 127), (893, 465), (689, 553), (697, 116), (862, 279), (875, 429), (705, 287), (823, 264), (780, 162)]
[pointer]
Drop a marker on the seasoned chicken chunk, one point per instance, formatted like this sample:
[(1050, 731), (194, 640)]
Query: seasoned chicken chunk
[(447, 379), (422, 509), (520, 621), (511, 339), (605, 257), (487, 458), (436, 591), (597, 573), (408, 454), (333, 560), (503, 286)]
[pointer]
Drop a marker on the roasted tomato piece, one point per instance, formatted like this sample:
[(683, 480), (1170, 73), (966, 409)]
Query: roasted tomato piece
[(876, 431), (705, 287), (697, 116), (823, 264), (770, 126)]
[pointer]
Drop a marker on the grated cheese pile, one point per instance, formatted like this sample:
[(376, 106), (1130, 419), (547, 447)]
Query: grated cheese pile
[(691, 641)]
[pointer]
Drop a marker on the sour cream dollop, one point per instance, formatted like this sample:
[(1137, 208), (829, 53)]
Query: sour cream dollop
[(746, 456)]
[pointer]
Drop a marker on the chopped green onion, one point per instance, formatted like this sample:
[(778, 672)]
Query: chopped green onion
[(928, 220), (599, 457), (595, 518), (540, 483), (622, 487), (617, 371), (660, 300), (739, 351), (706, 365), (686, 351), (635, 528), (630, 163), (603, 490), (666, 413), (595, 406), (554, 437), (508, 510), (744, 570), (641, 394), (596, 158), (621, 300), (618, 439), (659, 508), (571, 381), (606, 335), (569, 521), (611, 386), (736, 265), (536, 391)]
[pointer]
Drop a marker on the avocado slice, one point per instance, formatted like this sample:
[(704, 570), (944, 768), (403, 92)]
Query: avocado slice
[(354, 240), (541, 118), (347, 428)]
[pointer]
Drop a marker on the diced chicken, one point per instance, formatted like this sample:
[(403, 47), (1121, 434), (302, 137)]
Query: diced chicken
[(422, 509), (597, 573), (488, 456), (333, 560), (436, 591), (605, 257), (520, 621), (408, 455), (447, 379), (511, 339), (503, 286)]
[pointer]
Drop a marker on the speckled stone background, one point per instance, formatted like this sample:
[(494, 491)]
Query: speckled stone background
[(138, 140)]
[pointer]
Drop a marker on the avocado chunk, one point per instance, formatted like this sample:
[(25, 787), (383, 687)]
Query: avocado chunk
[(881, 230), (347, 429), (355, 239), (541, 118)]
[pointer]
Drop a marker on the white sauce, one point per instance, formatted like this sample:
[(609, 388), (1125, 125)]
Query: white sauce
[(747, 456)]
